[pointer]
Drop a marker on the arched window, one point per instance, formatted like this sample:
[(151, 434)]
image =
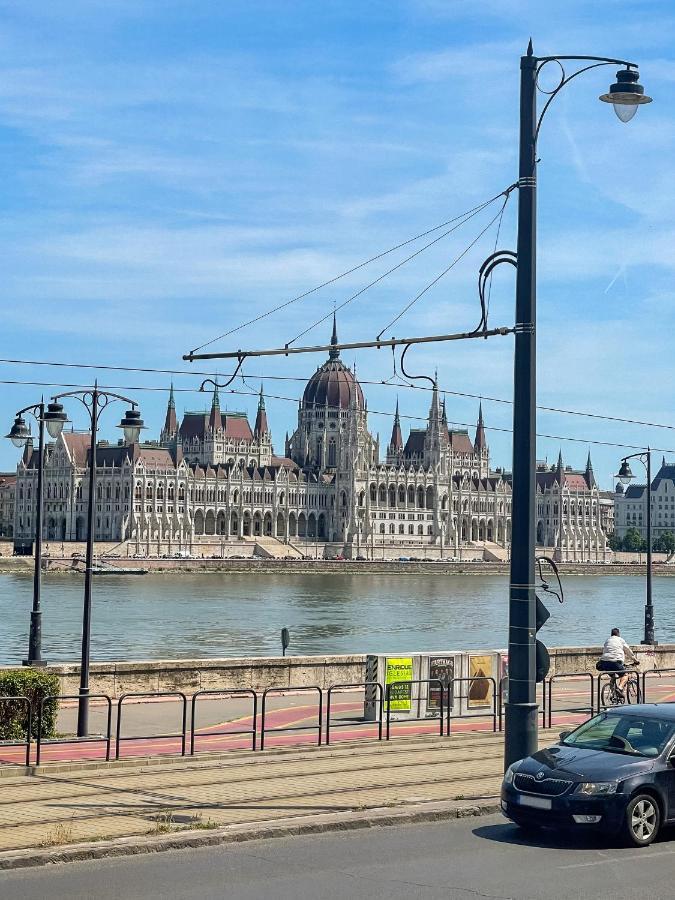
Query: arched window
[(373, 492), (332, 454)]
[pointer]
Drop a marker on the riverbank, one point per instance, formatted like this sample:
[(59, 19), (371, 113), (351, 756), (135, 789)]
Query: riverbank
[(255, 565)]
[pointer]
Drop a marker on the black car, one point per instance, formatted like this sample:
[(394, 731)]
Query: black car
[(615, 773)]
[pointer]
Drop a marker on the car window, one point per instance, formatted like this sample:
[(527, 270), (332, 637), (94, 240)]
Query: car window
[(623, 734)]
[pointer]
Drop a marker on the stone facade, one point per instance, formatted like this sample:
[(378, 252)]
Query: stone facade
[(630, 505)]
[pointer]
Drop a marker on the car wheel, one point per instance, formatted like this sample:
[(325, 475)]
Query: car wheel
[(641, 824)]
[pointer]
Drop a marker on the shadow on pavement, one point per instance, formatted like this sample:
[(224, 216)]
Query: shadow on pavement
[(559, 839)]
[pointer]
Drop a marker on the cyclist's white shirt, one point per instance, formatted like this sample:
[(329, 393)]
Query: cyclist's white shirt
[(615, 648)]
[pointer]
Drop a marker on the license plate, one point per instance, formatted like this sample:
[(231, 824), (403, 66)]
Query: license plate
[(535, 802)]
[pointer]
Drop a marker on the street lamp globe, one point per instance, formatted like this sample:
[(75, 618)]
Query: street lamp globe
[(19, 432), (625, 474), (55, 418), (132, 424), (626, 94)]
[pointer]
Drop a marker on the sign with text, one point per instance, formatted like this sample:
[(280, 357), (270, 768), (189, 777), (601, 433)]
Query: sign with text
[(443, 669), (399, 669)]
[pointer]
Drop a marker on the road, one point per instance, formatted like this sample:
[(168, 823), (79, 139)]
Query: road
[(467, 858)]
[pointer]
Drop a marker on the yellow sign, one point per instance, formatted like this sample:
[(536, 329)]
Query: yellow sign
[(480, 689), (399, 669)]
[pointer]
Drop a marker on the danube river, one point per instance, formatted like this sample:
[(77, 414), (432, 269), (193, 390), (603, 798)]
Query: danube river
[(183, 616)]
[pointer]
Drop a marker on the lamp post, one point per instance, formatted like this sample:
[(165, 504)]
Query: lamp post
[(626, 95), (625, 476), (19, 435), (94, 401)]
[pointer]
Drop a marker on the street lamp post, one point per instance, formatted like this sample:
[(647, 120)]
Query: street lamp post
[(19, 435), (625, 476), (520, 738), (94, 401)]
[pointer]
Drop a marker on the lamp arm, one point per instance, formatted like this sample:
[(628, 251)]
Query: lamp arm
[(101, 398), (34, 410), (567, 78)]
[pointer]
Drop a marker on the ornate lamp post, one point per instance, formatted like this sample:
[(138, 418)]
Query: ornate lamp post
[(19, 435), (94, 401), (626, 95), (625, 476)]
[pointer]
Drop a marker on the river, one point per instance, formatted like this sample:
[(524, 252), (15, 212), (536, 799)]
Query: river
[(219, 615)]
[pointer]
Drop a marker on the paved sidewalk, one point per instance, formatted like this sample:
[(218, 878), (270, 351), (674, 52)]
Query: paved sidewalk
[(78, 803)]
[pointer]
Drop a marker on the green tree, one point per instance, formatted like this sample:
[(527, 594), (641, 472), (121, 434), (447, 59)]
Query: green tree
[(615, 542), (633, 541), (665, 543)]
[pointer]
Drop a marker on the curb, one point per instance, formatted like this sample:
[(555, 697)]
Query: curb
[(231, 834)]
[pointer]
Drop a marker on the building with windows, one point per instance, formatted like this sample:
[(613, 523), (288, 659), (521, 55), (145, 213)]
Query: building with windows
[(213, 478), (630, 505), (7, 492)]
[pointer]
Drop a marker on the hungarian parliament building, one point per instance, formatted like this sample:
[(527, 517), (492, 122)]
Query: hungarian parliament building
[(213, 479)]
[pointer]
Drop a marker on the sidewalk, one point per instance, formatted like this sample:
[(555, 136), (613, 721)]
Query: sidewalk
[(62, 805)]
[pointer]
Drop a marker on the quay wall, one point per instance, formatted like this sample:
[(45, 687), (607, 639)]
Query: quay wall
[(190, 675)]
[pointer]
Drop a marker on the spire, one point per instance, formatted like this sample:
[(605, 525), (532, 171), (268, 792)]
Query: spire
[(261, 419), (396, 444), (170, 422), (590, 475), (333, 353), (27, 451), (215, 420), (444, 414), (480, 442), (559, 466)]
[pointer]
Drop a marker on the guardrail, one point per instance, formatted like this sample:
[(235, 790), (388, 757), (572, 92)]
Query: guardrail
[(89, 739), (151, 737), (590, 709), (285, 728), (25, 703), (224, 692), (428, 681), (652, 675), (479, 714), (352, 688)]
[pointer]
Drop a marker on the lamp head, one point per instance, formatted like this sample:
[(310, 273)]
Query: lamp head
[(55, 418), (132, 424), (19, 432), (625, 474), (626, 94)]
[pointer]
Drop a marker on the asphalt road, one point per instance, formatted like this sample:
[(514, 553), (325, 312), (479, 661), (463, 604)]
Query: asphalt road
[(470, 858)]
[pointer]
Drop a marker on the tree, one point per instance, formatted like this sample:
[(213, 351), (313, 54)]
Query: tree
[(633, 541), (665, 543), (615, 542)]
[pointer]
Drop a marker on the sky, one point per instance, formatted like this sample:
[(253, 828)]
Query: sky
[(172, 169)]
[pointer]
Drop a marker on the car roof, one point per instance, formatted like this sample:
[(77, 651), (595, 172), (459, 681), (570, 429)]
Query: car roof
[(645, 710)]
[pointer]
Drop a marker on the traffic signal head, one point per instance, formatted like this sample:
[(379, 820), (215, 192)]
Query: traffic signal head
[(543, 661)]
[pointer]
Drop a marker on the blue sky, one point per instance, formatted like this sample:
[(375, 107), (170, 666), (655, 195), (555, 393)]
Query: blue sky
[(171, 168)]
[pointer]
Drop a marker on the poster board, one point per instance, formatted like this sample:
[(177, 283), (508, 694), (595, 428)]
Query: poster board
[(479, 692), (399, 668), (442, 668)]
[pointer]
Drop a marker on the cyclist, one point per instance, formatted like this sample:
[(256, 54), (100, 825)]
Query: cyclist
[(613, 659)]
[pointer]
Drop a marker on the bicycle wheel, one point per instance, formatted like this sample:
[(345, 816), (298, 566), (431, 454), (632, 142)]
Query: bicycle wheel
[(632, 693), (606, 698)]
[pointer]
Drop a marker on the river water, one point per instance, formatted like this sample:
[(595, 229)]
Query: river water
[(218, 615)]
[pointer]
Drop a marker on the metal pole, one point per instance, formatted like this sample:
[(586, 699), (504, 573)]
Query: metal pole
[(649, 607), (83, 705), (35, 635), (520, 738)]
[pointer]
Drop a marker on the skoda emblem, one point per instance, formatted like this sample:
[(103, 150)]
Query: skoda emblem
[(539, 776)]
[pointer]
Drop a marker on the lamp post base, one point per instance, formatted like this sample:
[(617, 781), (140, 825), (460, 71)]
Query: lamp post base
[(34, 663)]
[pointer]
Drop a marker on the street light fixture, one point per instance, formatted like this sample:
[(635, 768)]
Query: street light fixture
[(19, 434), (94, 401), (521, 731), (626, 94), (625, 476)]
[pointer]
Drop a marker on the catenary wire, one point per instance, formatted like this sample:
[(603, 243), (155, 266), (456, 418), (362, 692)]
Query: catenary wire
[(303, 378), (295, 400), (361, 265)]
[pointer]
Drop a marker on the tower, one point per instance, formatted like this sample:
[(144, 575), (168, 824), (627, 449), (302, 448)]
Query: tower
[(395, 448), (170, 430)]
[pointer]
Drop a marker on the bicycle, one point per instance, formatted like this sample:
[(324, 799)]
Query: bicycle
[(612, 695)]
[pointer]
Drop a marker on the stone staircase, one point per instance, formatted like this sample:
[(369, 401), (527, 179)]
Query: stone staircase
[(271, 548)]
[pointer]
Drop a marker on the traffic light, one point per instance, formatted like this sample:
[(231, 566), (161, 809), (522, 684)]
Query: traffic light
[(543, 661)]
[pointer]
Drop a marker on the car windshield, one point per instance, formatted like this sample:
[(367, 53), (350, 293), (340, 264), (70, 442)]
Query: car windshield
[(623, 733)]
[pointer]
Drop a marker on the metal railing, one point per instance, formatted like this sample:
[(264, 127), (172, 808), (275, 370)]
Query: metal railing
[(590, 708), (286, 728), (74, 739), (352, 688), (224, 692), (12, 742), (151, 737), (479, 714), (634, 677), (428, 681), (652, 675), (503, 692)]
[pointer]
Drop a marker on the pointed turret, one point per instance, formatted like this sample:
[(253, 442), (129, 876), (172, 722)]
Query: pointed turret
[(590, 475), (334, 353), (559, 468), (27, 451), (444, 414), (170, 422), (480, 442), (261, 427), (396, 443), (215, 420)]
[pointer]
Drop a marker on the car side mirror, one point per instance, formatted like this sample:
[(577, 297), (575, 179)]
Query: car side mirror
[(671, 760), (564, 734)]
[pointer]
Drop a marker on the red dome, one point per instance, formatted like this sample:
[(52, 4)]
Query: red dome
[(333, 385)]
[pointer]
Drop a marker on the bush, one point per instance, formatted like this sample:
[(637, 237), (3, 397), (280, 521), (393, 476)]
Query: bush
[(33, 684)]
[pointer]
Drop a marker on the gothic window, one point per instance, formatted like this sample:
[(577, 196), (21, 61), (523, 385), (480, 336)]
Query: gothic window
[(401, 529), (391, 529), (332, 455), (381, 527), (411, 496), (392, 495), (108, 492), (411, 529), (171, 492), (181, 492), (373, 493), (401, 494), (382, 494)]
